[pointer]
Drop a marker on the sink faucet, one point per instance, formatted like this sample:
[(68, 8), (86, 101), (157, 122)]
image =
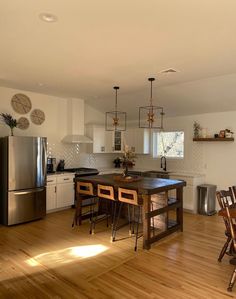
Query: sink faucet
[(163, 163)]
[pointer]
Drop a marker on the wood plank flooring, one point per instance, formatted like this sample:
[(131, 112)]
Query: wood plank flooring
[(47, 259)]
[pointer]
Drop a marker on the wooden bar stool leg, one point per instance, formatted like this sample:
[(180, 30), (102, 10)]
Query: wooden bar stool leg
[(232, 281)]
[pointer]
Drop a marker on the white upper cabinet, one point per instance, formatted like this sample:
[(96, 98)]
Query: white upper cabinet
[(138, 140), (113, 141), (105, 141)]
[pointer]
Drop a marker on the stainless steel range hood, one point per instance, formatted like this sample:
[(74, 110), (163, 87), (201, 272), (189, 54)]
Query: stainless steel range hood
[(75, 122)]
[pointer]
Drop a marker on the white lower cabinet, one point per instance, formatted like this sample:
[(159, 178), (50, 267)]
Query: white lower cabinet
[(65, 195), (190, 194), (60, 192)]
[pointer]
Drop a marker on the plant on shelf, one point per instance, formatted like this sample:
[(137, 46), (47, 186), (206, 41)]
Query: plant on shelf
[(9, 121), (196, 129), (128, 159)]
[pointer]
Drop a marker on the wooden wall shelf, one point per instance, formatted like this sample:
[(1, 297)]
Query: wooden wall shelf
[(213, 139)]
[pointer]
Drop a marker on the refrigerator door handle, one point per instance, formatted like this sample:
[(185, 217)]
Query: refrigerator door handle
[(44, 158), (28, 191)]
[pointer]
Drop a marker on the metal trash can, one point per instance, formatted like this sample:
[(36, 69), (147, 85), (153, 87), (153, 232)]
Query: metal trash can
[(206, 199)]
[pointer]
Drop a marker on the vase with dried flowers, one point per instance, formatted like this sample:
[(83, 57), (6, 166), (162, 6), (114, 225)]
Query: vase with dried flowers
[(9, 121), (128, 159)]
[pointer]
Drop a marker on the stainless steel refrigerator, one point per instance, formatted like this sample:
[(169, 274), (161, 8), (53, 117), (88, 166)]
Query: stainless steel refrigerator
[(22, 179)]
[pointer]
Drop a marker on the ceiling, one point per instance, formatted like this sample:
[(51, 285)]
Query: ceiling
[(95, 45)]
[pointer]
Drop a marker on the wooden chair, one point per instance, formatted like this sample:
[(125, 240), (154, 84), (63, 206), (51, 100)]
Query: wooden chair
[(225, 198), (85, 198), (131, 198), (107, 193), (233, 260), (233, 190)]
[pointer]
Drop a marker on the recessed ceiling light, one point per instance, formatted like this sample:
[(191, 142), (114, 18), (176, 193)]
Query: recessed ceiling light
[(48, 17), (40, 84)]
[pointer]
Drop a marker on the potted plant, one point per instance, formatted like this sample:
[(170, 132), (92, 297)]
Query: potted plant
[(9, 121)]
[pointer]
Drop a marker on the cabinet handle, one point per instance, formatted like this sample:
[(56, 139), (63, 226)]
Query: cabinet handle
[(49, 181), (66, 179), (55, 189)]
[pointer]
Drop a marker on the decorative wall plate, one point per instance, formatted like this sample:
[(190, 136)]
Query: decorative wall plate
[(37, 116), (23, 123), (21, 103)]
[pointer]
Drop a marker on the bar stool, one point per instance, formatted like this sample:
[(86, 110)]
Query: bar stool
[(131, 198), (107, 193), (84, 193)]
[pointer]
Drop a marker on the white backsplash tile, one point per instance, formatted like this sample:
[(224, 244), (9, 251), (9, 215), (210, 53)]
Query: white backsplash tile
[(75, 155)]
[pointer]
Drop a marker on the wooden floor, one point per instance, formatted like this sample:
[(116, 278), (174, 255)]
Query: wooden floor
[(47, 259)]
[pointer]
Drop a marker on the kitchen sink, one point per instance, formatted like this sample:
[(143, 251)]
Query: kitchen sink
[(156, 174)]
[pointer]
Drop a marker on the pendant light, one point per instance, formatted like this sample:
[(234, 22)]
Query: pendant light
[(151, 116), (115, 120)]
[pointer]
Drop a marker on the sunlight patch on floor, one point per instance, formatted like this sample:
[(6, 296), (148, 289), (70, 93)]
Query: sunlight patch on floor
[(67, 255)]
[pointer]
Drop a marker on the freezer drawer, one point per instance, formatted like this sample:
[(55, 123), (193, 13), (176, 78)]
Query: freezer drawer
[(25, 205)]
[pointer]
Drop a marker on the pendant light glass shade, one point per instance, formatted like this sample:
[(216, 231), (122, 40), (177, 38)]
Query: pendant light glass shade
[(115, 120), (151, 116)]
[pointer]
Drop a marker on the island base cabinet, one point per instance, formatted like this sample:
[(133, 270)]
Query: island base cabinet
[(159, 201)]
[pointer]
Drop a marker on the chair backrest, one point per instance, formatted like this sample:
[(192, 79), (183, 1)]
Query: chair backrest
[(85, 188), (225, 198), (233, 189), (106, 192), (129, 196), (231, 226)]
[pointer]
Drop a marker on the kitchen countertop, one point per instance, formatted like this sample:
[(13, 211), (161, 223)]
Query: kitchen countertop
[(61, 173), (170, 172)]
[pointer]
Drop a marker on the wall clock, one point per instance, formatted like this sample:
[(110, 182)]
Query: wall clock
[(23, 123), (37, 116), (21, 103)]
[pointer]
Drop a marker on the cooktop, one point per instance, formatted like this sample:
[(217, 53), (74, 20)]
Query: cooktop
[(82, 171)]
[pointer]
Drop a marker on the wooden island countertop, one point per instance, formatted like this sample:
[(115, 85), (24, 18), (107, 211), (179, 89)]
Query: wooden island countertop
[(146, 187)]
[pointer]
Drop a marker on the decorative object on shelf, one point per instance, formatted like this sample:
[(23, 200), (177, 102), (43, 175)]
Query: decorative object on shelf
[(228, 133), (204, 132), (151, 116), (115, 120), (9, 121), (196, 129), (21, 103), (117, 162), (128, 159), (23, 123), (222, 134), (37, 116)]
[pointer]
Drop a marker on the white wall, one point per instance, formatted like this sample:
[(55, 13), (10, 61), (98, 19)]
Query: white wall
[(217, 160), (54, 128)]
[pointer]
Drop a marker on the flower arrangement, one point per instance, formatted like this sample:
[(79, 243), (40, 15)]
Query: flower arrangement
[(128, 158), (9, 121)]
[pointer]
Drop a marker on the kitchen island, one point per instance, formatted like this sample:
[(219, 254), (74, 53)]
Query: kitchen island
[(147, 188)]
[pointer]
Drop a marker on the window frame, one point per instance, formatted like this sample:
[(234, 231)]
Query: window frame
[(154, 145)]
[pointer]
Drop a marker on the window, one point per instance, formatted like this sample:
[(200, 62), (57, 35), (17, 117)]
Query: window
[(168, 144)]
